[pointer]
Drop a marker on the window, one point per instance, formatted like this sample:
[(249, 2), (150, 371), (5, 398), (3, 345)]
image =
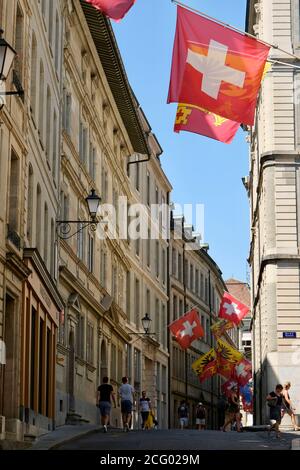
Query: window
[(103, 264), (180, 267), (149, 249), (157, 258), (207, 331), (206, 290), (186, 273), (48, 121), (83, 134), (90, 344), (175, 307), (41, 102), (148, 189), (137, 303), (192, 277), (30, 205), (197, 282), (128, 294), (92, 169), (13, 216), (164, 326), (50, 24), (90, 253), (46, 234), (38, 217), (81, 242), (52, 250), (54, 146), (114, 286), (201, 286), (148, 306), (18, 64), (174, 254), (163, 267), (67, 112), (157, 320), (180, 307), (57, 39), (33, 75)]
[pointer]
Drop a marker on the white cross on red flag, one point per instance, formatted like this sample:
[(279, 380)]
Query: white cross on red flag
[(216, 68), (243, 372), (187, 328), (232, 309)]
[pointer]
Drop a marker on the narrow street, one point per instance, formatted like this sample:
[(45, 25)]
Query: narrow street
[(180, 440)]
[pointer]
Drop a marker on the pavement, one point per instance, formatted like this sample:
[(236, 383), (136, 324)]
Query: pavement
[(91, 437)]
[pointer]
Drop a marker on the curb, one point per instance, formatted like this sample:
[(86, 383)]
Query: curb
[(40, 445), (295, 444)]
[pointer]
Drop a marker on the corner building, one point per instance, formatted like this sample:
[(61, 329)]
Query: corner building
[(273, 190)]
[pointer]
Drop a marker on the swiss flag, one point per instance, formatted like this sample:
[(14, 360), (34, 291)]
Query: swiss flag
[(232, 309), (216, 68), (243, 372), (228, 386), (115, 9), (187, 328)]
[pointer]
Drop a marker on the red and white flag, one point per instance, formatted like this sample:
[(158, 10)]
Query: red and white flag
[(216, 68), (115, 9), (232, 309), (243, 372), (187, 328)]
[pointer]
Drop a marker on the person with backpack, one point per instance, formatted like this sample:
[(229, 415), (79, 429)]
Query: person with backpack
[(200, 416), (183, 415), (275, 403)]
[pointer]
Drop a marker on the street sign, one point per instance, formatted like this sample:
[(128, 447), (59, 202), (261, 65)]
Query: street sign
[(289, 334)]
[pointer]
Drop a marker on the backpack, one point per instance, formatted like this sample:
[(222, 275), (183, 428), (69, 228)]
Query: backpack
[(200, 414)]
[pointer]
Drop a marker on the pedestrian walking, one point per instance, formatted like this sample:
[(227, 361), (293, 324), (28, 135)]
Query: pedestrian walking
[(145, 408), (221, 408), (183, 414), (126, 393), (275, 403), (105, 395), (287, 405), (233, 410), (200, 416)]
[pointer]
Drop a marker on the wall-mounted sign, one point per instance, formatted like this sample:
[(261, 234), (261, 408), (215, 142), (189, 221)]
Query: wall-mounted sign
[(289, 334)]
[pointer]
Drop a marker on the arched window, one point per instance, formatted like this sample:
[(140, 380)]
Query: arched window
[(46, 234), (33, 75), (30, 205), (38, 217), (41, 102), (48, 124)]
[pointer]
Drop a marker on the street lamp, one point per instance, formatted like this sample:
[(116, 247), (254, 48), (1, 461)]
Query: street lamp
[(63, 227), (7, 55), (146, 322)]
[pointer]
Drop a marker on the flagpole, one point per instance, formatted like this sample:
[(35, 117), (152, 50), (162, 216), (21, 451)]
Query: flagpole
[(222, 23), (211, 342)]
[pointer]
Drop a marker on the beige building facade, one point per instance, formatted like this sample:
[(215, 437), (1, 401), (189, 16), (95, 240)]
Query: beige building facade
[(273, 189)]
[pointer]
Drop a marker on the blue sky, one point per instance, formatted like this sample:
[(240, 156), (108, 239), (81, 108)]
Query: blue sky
[(201, 170)]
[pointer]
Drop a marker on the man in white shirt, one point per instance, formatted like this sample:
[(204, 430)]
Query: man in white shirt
[(126, 393), (145, 408)]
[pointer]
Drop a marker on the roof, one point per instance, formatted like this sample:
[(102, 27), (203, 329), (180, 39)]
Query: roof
[(110, 57), (240, 290)]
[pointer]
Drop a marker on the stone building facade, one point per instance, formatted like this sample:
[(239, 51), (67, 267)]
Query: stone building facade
[(273, 189), (195, 282)]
